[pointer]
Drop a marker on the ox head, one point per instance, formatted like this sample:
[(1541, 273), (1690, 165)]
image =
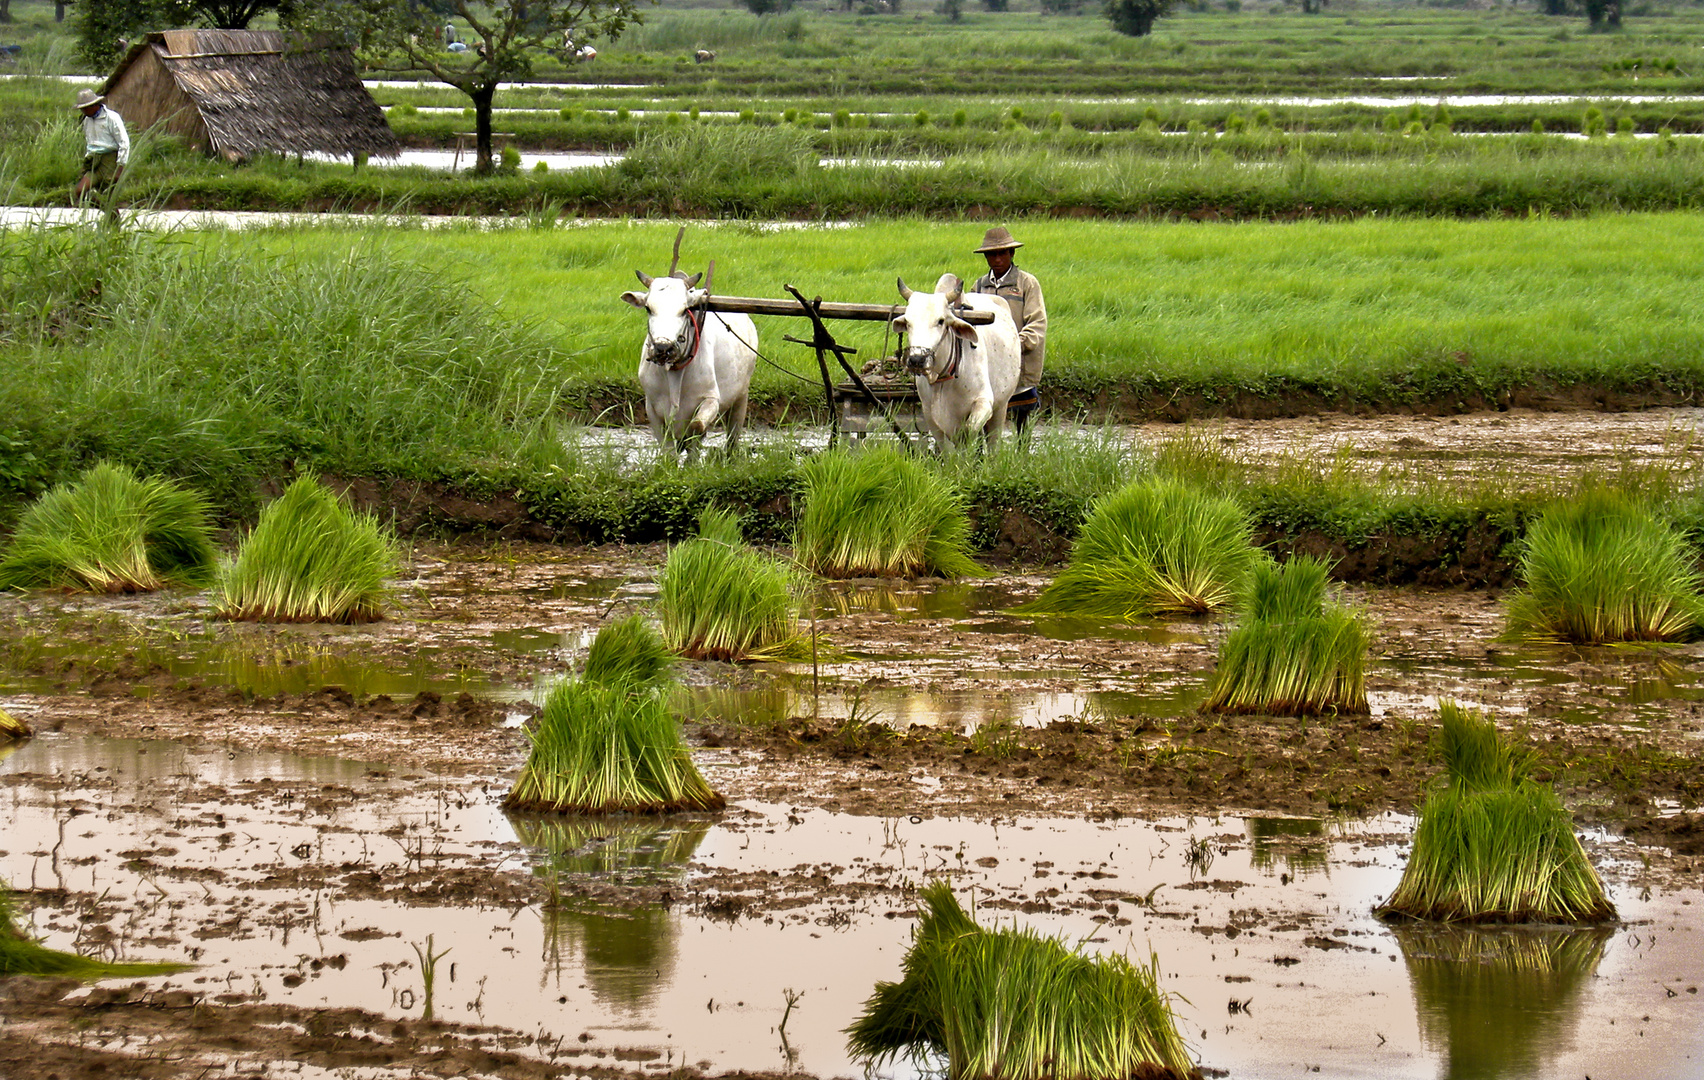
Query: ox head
[(666, 301), (931, 327)]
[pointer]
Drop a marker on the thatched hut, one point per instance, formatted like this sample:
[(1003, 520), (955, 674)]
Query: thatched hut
[(237, 93)]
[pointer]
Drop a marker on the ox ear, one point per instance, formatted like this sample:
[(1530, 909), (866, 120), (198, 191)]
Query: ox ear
[(637, 299), (904, 293), (644, 278), (695, 297), (900, 326)]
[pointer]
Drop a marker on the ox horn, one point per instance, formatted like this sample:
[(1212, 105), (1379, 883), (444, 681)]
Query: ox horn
[(904, 293), (644, 278), (958, 291)]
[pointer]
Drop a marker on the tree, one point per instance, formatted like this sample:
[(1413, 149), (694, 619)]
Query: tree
[(395, 37), (768, 7), (995, 5), (952, 9), (1136, 17), (102, 24), (1604, 14)]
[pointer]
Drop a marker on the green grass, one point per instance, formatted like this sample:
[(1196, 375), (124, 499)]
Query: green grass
[(1157, 546), (110, 531), (628, 652), (1603, 567), (1010, 1004), (22, 955), (719, 599), (1493, 845), (599, 749), (878, 512), (1292, 653), (309, 559)]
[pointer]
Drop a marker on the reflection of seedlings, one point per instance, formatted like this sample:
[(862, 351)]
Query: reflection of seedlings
[(1494, 845), (879, 513), (792, 997), (1198, 856), (1296, 844), (428, 971), (1154, 547), (1498, 1002), (1011, 1003), (1293, 654), (722, 600)]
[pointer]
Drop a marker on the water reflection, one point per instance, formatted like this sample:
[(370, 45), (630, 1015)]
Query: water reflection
[(1297, 846), (1499, 1003), (627, 954)]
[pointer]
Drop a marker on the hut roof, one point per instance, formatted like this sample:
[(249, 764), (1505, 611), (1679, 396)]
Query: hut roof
[(266, 90)]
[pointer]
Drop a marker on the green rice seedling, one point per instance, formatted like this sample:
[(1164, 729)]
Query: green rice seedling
[(1157, 546), (1602, 567), (1492, 845), (880, 513), (628, 653), (310, 558), (1293, 654), (13, 728), (22, 955), (721, 600), (109, 531), (603, 749), (1010, 1004)]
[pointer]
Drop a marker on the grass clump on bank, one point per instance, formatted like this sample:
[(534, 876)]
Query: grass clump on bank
[(309, 559), (110, 532), (1157, 546), (1293, 654), (1493, 845), (1602, 567), (880, 513), (1013, 1005), (609, 742), (722, 600), (22, 955)]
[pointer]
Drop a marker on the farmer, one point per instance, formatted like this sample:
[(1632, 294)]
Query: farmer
[(106, 146), (1022, 293)]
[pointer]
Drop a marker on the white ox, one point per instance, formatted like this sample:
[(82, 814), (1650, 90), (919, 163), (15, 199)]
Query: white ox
[(965, 373), (695, 365)]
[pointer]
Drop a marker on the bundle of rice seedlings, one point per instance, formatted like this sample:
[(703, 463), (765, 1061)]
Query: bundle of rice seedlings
[(599, 749), (1013, 1005), (110, 532), (1156, 546), (13, 728), (1292, 653), (721, 600), (1493, 845), (22, 955), (1601, 567), (310, 558), (880, 513), (628, 653)]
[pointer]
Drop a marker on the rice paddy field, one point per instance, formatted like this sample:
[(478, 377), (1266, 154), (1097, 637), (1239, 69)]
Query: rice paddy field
[(377, 702)]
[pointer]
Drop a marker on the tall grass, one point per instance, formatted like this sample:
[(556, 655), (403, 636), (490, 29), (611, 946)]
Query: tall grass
[(878, 512), (310, 558), (1157, 546), (23, 955), (1602, 567), (110, 531), (599, 749), (721, 600), (1009, 1004), (1493, 845), (1292, 653)]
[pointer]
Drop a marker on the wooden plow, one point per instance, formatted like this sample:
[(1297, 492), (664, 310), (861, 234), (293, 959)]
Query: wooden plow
[(855, 391)]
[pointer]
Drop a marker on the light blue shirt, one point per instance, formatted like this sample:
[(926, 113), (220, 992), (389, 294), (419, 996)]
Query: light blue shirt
[(104, 133)]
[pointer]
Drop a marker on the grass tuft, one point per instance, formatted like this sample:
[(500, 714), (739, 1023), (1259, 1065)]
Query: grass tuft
[(1600, 568), (1492, 845), (629, 653), (1013, 1005), (722, 600), (881, 513), (1293, 654), (1157, 546), (110, 532), (309, 559)]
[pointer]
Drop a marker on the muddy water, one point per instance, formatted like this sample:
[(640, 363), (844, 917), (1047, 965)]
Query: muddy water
[(318, 882)]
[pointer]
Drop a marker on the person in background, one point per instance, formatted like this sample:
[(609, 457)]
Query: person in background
[(1022, 293), (106, 146)]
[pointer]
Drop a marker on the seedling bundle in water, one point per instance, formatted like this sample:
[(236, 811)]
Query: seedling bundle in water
[(880, 513), (22, 955), (1292, 654), (1153, 547), (309, 559), (1601, 568), (1493, 845), (111, 532), (721, 600), (607, 746), (1013, 1005)]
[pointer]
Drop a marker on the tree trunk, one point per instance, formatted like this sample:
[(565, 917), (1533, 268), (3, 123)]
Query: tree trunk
[(482, 97), (59, 11), (5, 11)]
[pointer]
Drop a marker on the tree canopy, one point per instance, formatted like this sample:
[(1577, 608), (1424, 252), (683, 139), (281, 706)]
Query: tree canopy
[(1136, 17), (103, 24)]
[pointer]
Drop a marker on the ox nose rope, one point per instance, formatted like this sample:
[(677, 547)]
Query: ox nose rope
[(693, 329)]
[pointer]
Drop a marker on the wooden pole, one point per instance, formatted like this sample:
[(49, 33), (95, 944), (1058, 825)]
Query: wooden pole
[(747, 305)]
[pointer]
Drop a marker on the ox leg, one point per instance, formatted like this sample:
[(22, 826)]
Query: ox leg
[(694, 425), (734, 420), (996, 426), (976, 424)]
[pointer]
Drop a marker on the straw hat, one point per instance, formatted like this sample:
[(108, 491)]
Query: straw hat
[(999, 238), (85, 98)]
